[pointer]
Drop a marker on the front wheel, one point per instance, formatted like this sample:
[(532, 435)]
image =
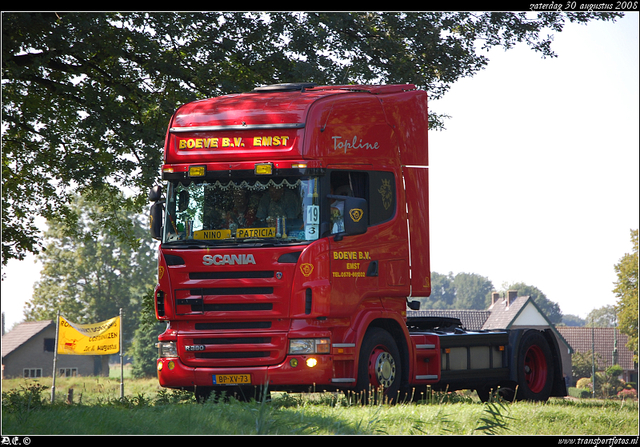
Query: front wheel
[(379, 369), (535, 368)]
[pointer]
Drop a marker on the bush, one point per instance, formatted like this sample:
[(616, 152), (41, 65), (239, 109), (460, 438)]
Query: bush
[(585, 382), (628, 394), (580, 393), (23, 400)]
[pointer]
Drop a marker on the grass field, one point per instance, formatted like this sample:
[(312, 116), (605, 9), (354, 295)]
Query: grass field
[(148, 409)]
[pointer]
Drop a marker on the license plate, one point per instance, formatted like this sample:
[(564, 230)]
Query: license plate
[(231, 379)]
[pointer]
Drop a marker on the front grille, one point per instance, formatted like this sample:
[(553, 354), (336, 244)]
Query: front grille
[(218, 291), (231, 318), (232, 341), (231, 275), (231, 355), (233, 325), (228, 350), (198, 306)]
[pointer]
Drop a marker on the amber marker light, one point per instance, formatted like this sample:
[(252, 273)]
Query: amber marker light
[(263, 169), (197, 171), (311, 362)]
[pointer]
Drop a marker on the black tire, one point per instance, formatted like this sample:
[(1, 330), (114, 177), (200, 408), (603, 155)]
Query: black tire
[(535, 367), (379, 367)]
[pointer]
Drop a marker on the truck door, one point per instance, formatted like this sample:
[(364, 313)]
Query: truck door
[(373, 265)]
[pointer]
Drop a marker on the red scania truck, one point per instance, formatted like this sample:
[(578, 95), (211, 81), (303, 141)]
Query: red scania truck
[(294, 234)]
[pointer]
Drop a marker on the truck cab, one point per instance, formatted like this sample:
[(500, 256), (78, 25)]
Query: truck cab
[(294, 230)]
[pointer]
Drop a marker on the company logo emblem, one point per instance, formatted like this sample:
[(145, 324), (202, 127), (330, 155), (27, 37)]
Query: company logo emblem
[(228, 259), (386, 193), (356, 214), (306, 269)]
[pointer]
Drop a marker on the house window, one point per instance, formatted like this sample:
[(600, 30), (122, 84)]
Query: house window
[(49, 344), (67, 372), (31, 372)]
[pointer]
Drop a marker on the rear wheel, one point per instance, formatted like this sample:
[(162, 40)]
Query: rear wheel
[(535, 368), (379, 370)]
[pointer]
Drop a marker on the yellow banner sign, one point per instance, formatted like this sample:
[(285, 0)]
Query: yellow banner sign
[(89, 339)]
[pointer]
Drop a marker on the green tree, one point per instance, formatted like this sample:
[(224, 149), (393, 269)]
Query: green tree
[(472, 291), (611, 384), (572, 320), (462, 291), (550, 308), (86, 97), (88, 274), (604, 316), (582, 365), (442, 292), (143, 350), (626, 291)]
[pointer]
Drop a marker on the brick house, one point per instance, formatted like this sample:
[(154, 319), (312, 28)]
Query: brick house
[(608, 343), (27, 351)]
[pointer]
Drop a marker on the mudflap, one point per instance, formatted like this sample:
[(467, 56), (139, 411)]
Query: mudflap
[(559, 388)]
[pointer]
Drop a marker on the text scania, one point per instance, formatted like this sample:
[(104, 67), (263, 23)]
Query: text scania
[(228, 259)]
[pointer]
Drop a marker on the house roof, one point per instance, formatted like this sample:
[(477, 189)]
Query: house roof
[(472, 320), (21, 333), (584, 339), (522, 311)]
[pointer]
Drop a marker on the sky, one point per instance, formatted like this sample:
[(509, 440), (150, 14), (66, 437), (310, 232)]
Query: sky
[(534, 180)]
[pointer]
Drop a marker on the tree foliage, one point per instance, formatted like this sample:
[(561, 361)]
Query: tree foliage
[(142, 349), (604, 316), (462, 291), (86, 97), (582, 364), (626, 291), (88, 274), (573, 320)]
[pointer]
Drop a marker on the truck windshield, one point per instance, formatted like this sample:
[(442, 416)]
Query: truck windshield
[(220, 212)]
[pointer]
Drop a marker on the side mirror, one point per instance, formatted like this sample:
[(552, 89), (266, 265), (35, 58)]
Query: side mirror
[(155, 193), (354, 216), (155, 220)]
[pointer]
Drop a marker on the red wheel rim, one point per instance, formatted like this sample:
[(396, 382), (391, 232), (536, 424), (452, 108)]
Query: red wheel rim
[(535, 369), (382, 368)]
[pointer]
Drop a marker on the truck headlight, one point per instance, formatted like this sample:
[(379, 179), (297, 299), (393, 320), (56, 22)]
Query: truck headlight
[(167, 349), (298, 346)]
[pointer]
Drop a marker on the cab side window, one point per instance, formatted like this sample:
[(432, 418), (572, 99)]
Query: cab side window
[(382, 197), (378, 187), (345, 183)]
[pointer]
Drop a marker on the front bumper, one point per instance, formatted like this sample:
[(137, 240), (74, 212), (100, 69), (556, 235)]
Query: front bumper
[(293, 372)]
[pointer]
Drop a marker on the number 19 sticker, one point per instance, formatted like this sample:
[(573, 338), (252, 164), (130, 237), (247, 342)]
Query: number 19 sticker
[(312, 221), (313, 215)]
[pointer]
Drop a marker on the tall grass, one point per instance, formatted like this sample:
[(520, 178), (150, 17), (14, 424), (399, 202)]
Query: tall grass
[(148, 409)]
